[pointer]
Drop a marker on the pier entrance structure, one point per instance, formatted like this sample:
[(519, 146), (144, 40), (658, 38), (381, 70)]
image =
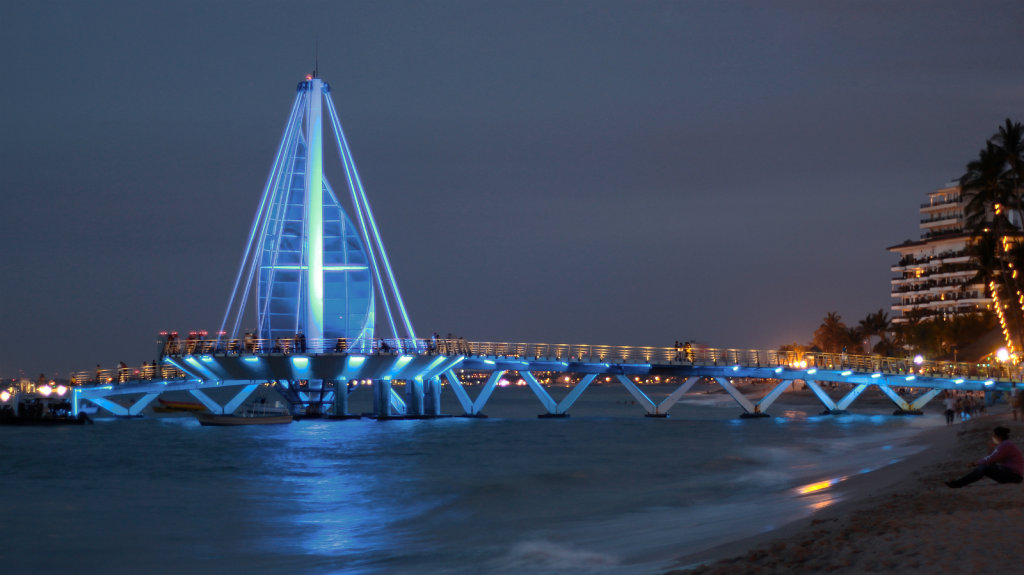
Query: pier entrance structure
[(313, 281)]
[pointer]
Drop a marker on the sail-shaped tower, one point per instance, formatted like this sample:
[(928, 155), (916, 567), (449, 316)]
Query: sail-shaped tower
[(315, 270)]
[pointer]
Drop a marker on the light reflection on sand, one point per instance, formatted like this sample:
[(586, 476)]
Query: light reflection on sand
[(817, 492), (819, 485)]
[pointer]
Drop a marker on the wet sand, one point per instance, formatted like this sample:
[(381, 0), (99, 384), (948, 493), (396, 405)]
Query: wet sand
[(901, 518)]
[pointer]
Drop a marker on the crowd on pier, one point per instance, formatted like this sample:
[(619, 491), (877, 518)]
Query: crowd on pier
[(197, 343)]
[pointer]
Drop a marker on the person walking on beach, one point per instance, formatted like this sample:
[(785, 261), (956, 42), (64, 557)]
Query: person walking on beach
[(950, 404), (1004, 465)]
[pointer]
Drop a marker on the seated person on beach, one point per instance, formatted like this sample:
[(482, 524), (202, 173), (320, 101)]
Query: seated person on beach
[(1004, 465)]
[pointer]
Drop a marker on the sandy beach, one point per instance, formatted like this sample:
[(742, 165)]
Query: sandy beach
[(901, 518)]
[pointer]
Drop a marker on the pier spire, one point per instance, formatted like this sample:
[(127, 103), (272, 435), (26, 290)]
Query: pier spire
[(315, 270)]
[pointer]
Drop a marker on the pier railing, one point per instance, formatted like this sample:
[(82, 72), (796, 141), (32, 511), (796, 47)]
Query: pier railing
[(556, 352), (706, 356), (126, 374)]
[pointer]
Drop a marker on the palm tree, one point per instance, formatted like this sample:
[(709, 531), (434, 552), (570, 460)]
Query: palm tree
[(989, 197), (995, 212), (855, 340), (832, 335), (876, 324), (1010, 141), (994, 271), (983, 251), (886, 346)]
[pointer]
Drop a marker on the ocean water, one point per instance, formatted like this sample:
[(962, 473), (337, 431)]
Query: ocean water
[(605, 491)]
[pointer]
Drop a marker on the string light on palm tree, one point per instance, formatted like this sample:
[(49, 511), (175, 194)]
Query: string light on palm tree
[(1000, 314)]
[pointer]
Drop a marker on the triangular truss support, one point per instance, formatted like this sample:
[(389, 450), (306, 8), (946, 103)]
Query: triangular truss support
[(656, 409), (832, 406), (470, 407), (912, 406), (750, 408)]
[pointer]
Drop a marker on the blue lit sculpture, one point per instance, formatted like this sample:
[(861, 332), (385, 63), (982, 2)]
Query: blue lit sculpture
[(315, 271)]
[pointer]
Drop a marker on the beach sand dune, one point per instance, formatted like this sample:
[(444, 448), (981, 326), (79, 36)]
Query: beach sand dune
[(901, 519)]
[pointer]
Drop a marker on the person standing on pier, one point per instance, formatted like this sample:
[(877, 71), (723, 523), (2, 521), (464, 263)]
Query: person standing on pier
[(1004, 465)]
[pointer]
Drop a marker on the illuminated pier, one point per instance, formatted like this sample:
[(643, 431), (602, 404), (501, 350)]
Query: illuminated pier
[(420, 367), (314, 282)]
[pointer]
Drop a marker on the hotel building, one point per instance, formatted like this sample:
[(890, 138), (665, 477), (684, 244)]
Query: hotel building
[(936, 273)]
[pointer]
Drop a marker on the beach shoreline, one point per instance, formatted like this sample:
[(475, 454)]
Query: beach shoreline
[(894, 518)]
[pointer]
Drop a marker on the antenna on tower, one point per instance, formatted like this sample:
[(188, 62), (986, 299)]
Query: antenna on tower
[(316, 58)]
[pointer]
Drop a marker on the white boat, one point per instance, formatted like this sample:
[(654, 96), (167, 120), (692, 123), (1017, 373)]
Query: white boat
[(225, 419)]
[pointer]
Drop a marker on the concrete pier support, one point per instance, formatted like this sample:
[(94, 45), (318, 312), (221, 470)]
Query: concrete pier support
[(414, 397), (340, 407), (315, 398), (382, 398), (432, 397)]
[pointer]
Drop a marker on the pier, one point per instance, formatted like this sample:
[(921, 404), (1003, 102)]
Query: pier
[(320, 289), (408, 376)]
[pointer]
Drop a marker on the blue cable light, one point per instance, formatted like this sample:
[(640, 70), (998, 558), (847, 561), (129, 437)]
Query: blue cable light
[(349, 176), (267, 189), (344, 149), (275, 184)]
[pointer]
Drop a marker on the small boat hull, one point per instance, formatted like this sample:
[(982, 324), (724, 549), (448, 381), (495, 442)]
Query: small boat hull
[(228, 420), (177, 406)]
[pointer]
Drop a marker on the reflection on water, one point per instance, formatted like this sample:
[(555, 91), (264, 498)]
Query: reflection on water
[(819, 485), (794, 414), (600, 494), (823, 503), (821, 498), (817, 496)]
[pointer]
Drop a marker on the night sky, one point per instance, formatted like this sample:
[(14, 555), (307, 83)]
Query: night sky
[(576, 172)]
